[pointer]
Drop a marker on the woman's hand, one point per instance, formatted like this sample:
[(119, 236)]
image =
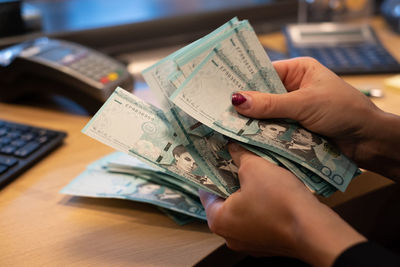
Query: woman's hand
[(273, 213), (324, 103)]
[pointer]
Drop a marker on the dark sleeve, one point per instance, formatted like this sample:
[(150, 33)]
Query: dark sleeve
[(367, 254)]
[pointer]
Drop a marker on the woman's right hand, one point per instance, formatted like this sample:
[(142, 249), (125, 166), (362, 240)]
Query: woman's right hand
[(324, 103)]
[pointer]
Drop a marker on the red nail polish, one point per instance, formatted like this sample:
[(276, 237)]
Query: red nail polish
[(238, 99)]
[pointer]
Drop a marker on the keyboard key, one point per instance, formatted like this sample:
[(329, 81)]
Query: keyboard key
[(3, 168), (13, 134), (8, 161), (51, 134), (5, 140), (43, 133), (8, 149), (42, 139), (18, 143), (27, 136), (27, 149), (3, 131), (27, 143)]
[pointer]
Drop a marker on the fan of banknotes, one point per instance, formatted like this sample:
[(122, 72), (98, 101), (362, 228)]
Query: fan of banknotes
[(121, 176), (185, 137)]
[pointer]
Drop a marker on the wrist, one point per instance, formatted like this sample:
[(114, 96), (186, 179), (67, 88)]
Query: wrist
[(380, 150), (321, 235)]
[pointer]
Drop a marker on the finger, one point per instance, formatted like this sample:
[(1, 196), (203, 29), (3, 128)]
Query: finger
[(263, 105), (283, 69), (293, 72), (211, 203), (239, 154)]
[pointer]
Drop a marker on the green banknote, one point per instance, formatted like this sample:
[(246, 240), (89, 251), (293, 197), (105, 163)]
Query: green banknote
[(239, 48), (157, 75), (315, 183), (184, 144), (97, 182), (132, 126), (166, 154), (177, 217), (206, 147), (205, 95), (210, 147), (124, 163)]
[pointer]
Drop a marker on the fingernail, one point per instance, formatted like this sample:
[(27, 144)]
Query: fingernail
[(239, 99)]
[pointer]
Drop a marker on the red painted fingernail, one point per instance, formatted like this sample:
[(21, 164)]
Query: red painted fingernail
[(238, 99)]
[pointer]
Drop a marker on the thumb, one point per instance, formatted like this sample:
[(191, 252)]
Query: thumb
[(212, 204), (265, 106)]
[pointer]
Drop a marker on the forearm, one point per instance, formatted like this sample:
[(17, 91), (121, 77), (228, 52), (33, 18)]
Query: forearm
[(381, 151), (322, 236)]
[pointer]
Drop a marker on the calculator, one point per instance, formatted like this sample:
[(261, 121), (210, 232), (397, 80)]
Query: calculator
[(343, 48)]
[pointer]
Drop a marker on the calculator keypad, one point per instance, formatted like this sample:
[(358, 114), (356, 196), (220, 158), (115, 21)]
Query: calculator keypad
[(352, 59)]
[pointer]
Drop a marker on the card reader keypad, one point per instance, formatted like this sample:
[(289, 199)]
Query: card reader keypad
[(98, 68)]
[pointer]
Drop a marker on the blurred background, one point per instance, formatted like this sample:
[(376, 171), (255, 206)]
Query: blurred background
[(119, 25), (139, 33)]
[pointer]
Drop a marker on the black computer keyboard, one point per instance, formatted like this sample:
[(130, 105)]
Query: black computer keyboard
[(22, 145)]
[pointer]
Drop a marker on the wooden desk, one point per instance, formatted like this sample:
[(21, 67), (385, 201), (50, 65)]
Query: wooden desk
[(41, 227)]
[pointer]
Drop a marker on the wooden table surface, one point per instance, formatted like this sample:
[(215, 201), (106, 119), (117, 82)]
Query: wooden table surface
[(41, 227)]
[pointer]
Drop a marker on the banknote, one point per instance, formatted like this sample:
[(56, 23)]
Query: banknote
[(211, 151), (156, 76), (183, 144), (170, 151), (205, 95), (103, 184), (132, 126), (110, 163), (199, 139), (124, 163), (122, 160), (240, 49), (245, 57), (313, 182), (160, 178), (178, 218)]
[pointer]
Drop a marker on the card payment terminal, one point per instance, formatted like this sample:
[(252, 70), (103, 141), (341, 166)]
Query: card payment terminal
[(54, 66)]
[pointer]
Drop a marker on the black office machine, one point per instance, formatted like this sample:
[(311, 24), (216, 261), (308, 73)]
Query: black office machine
[(58, 67), (343, 48)]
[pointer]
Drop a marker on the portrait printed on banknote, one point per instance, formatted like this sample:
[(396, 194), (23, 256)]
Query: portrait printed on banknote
[(218, 146), (186, 166), (158, 193)]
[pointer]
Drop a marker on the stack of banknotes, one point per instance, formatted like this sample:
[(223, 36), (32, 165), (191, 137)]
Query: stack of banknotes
[(121, 176), (185, 137)]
